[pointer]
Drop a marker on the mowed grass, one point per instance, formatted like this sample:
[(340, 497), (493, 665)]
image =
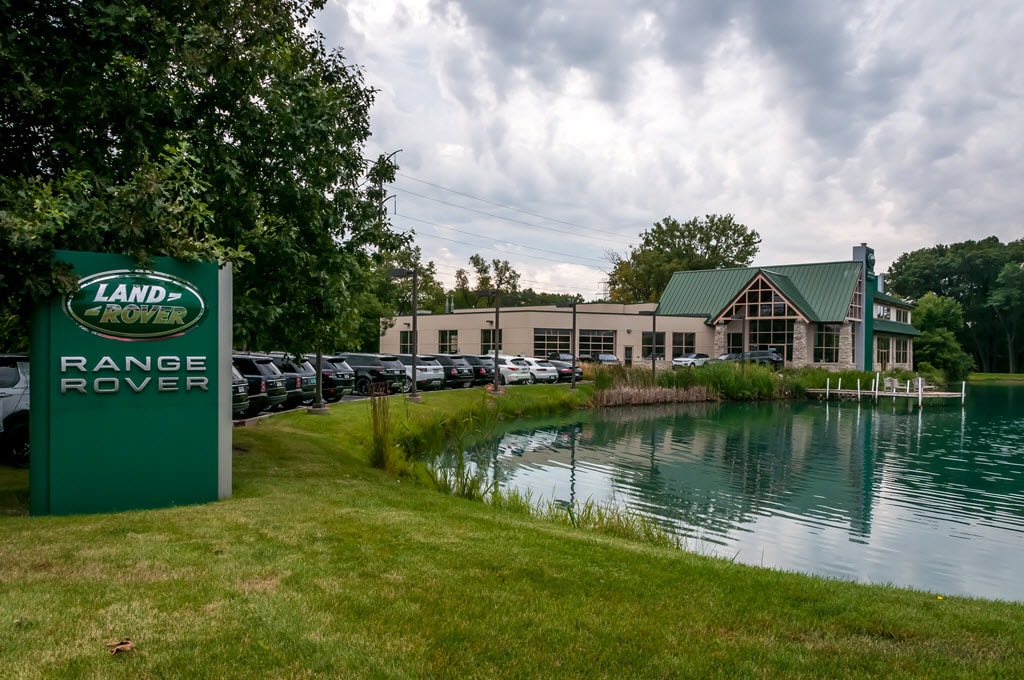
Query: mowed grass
[(322, 567), (996, 378)]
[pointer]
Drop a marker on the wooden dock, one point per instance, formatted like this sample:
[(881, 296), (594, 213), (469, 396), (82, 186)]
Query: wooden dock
[(916, 391), (854, 395)]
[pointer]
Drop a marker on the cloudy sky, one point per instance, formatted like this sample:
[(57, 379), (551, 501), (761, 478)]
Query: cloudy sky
[(548, 133)]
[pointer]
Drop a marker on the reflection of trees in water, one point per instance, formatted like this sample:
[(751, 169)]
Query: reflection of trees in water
[(713, 467)]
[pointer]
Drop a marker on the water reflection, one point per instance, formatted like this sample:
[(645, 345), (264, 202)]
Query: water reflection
[(880, 492)]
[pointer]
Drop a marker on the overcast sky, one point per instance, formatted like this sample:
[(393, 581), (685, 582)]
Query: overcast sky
[(547, 133)]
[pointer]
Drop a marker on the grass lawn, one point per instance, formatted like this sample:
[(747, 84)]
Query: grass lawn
[(996, 377), (320, 566)]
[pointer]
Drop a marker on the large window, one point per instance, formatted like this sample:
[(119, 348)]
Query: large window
[(826, 343), (735, 343), (903, 315), (901, 351), (447, 342), (548, 340), (856, 310), (405, 342), (659, 344), (487, 340), (593, 342), (684, 343), (768, 316)]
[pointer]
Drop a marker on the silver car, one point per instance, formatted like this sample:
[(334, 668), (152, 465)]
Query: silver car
[(14, 400), (429, 372)]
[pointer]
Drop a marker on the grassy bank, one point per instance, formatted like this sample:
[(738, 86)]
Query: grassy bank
[(321, 566), (996, 378)]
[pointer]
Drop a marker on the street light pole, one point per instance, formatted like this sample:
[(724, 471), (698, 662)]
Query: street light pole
[(399, 273), (495, 293), (572, 341), (653, 313)]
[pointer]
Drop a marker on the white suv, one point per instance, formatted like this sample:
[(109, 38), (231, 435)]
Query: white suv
[(541, 370), (690, 359), (14, 398), (513, 370)]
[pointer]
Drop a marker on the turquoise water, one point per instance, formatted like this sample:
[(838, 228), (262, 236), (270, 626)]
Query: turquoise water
[(928, 498)]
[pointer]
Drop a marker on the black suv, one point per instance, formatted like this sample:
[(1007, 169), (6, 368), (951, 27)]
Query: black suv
[(338, 377), (239, 393), (764, 356), (457, 371), (374, 374), (299, 376), (483, 369), (14, 398), (266, 383)]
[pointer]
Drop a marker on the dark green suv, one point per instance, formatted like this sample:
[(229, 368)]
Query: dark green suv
[(266, 383)]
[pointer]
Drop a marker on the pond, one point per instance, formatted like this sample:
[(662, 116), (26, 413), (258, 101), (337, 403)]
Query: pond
[(884, 492)]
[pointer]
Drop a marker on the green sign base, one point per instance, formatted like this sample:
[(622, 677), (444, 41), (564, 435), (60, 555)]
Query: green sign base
[(130, 388)]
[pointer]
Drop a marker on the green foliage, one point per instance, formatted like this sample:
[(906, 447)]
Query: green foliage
[(940, 350), (712, 242), (1006, 299), (258, 135), (967, 272), (937, 313)]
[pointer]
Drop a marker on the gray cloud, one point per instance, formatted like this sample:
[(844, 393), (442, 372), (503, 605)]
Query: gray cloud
[(897, 123)]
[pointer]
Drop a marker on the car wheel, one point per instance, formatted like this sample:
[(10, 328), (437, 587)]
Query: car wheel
[(16, 444), (332, 398), (531, 380), (501, 379), (363, 387)]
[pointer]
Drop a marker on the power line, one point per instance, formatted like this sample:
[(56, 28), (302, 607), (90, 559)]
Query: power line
[(518, 245), (502, 217), (508, 207)]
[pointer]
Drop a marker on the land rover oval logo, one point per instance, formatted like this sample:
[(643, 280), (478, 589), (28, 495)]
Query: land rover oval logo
[(135, 305)]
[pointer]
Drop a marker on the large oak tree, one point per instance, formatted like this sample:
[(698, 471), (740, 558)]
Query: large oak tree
[(969, 272), (711, 242), (216, 129)]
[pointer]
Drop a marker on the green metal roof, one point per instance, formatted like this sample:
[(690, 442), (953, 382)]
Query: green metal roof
[(893, 328), (892, 299), (821, 291)]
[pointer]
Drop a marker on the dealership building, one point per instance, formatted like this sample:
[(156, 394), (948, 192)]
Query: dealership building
[(835, 315)]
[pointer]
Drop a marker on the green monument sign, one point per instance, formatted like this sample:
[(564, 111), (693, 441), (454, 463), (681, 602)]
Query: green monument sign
[(130, 387)]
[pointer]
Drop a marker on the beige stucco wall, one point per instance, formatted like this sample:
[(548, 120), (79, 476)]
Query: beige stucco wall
[(518, 323)]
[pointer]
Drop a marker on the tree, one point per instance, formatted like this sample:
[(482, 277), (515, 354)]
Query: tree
[(711, 242), (271, 124), (1007, 301), (496, 275), (939, 319), (966, 272)]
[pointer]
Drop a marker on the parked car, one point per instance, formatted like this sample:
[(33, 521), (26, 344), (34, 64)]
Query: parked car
[(239, 393), (764, 356), (372, 373), (606, 359), (338, 378), (391, 362), (511, 373), (689, 360), (729, 356), (457, 371), (266, 382), (565, 370), (540, 370), (300, 379), (560, 356), (429, 373), (483, 369), (14, 402)]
